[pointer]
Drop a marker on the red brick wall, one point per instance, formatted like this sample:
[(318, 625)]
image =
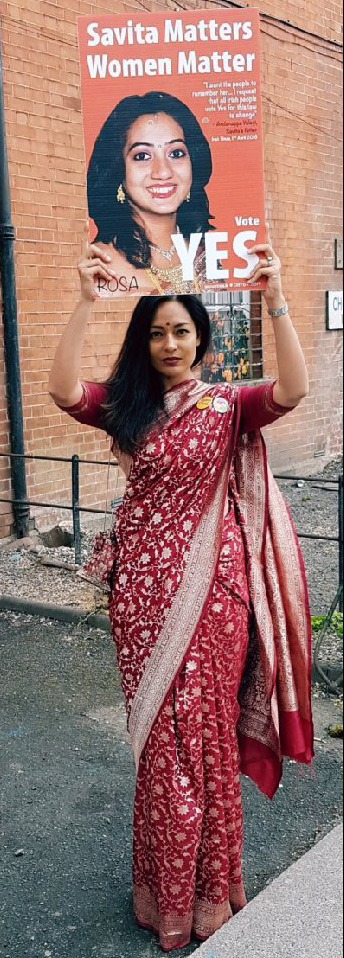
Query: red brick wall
[(5, 482), (301, 84)]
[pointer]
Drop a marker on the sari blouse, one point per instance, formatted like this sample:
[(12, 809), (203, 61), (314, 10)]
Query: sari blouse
[(258, 407)]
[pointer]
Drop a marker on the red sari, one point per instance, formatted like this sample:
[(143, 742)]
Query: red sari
[(208, 577)]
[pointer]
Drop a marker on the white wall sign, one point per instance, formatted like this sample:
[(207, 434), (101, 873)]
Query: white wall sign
[(334, 310)]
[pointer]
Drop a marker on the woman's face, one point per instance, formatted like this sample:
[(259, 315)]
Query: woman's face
[(173, 343), (158, 171)]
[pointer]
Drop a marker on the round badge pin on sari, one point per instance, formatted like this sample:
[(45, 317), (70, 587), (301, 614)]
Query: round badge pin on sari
[(220, 404), (205, 403)]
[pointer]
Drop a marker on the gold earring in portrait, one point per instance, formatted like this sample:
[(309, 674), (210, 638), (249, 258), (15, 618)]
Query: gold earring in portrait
[(188, 198), (120, 194)]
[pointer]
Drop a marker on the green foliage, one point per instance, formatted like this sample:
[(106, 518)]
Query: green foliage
[(336, 623)]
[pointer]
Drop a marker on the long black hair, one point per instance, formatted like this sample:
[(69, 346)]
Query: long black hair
[(136, 392), (106, 171)]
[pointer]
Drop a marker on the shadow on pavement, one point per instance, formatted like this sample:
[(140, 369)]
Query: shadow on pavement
[(67, 779)]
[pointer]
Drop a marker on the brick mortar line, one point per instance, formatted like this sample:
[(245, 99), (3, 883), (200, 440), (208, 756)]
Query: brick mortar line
[(267, 18)]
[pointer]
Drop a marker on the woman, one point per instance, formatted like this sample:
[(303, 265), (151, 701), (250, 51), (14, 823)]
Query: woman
[(146, 182), (205, 563)]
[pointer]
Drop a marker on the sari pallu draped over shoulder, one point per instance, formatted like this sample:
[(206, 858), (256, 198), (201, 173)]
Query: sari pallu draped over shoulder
[(168, 545), (276, 709)]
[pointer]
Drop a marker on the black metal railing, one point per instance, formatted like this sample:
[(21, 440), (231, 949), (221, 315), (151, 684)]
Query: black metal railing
[(76, 509)]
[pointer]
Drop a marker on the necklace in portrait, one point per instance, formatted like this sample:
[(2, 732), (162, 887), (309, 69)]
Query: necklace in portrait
[(166, 253), (171, 280)]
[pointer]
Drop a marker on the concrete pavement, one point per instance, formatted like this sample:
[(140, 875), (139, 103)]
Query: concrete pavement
[(66, 790), (298, 916)]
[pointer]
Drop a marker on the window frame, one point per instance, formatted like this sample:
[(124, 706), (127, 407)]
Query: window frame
[(249, 304)]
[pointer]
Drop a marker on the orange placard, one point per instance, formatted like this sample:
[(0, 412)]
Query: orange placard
[(173, 141)]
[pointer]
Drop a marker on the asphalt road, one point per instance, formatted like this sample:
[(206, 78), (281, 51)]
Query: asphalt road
[(67, 780)]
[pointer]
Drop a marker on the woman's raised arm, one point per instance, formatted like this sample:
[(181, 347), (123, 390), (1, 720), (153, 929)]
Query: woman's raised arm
[(292, 383), (64, 381)]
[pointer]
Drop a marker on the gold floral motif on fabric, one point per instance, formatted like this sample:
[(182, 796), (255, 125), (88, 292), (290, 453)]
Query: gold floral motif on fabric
[(181, 621)]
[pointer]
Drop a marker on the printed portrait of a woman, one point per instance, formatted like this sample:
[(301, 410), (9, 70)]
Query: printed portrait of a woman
[(147, 180)]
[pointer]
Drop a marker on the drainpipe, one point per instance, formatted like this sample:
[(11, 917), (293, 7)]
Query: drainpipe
[(21, 511)]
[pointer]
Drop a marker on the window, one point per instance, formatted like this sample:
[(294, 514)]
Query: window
[(236, 347)]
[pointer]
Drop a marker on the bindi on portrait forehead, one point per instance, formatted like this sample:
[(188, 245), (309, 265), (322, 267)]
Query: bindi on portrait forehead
[(156, 132)]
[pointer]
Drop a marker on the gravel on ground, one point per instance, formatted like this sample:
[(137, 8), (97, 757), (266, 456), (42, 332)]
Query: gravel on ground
[(313, 505)]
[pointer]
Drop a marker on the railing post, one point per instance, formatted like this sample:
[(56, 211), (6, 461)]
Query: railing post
[(341, 540), (76, 508)]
